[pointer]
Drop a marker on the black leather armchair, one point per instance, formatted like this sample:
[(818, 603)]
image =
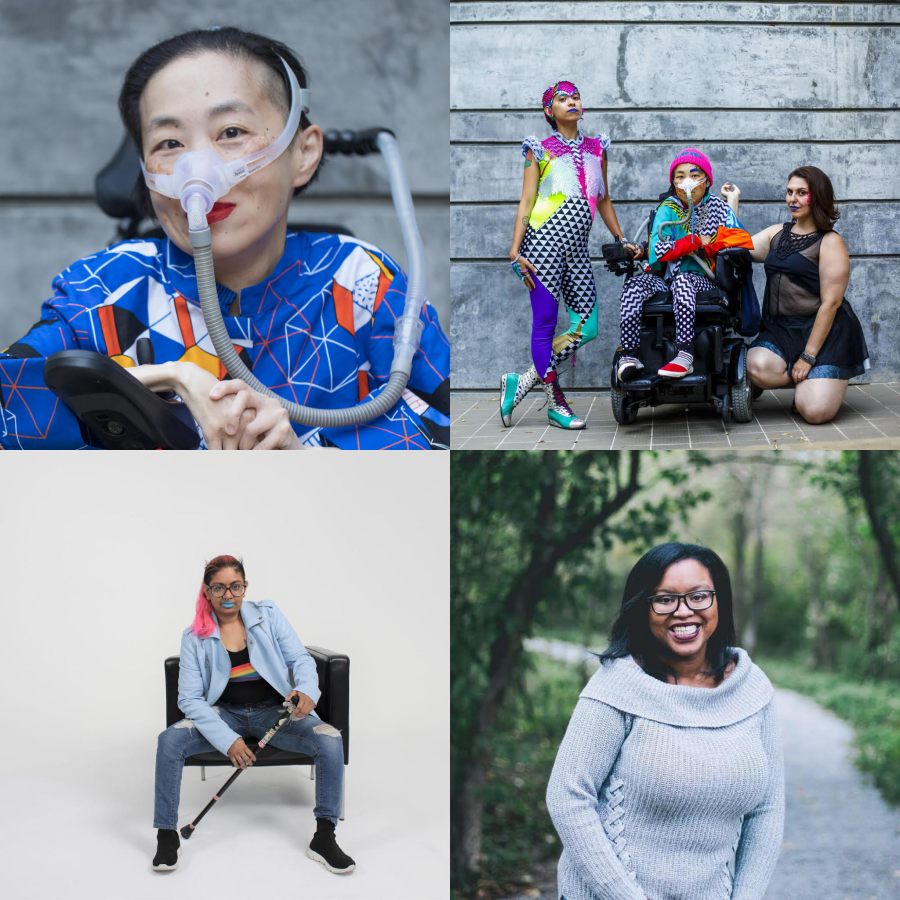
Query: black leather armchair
[(333, 707)]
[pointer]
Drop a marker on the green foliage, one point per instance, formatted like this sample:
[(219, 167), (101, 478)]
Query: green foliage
[(872, 708), (517, 826), (495, 526), (516, 513)]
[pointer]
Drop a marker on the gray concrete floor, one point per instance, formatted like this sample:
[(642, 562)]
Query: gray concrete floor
[(869, 419)]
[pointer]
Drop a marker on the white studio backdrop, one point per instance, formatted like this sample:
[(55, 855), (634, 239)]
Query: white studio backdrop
[(103, 556)]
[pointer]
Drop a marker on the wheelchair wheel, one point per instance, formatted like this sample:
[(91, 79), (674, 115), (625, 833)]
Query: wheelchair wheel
[(624, 413), (741, 395)]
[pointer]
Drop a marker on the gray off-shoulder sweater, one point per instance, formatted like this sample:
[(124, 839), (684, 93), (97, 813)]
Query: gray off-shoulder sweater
[(668, 792)]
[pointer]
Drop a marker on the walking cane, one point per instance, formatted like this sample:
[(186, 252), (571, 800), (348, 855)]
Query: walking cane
[(289, 706)]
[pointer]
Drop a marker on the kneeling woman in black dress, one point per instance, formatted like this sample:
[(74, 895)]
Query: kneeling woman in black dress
[(810, 336)]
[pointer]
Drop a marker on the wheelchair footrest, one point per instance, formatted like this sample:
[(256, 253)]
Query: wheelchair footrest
[(653, 382)]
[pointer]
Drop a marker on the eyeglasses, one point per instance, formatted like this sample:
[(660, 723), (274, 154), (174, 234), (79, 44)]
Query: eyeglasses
[(236, 588), (663, 604)]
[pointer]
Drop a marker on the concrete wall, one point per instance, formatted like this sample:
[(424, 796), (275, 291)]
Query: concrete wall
[(760, 87), (61, 67)]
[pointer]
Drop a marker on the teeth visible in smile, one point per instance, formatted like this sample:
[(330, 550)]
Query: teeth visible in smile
[(686, 630)]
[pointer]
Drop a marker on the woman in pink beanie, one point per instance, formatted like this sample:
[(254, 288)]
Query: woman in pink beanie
[(684, 224)]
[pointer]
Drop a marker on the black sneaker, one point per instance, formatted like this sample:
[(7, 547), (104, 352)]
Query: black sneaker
[(323, 848), (167, 850)]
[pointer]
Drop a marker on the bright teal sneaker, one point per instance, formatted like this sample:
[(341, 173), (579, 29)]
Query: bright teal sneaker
[(559, 413), (513, 388)]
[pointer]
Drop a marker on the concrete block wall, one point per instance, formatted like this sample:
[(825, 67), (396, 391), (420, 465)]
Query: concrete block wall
[(760, 87), (61, 67)]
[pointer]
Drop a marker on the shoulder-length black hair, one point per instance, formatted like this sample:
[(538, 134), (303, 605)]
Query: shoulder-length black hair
[(631, 630)]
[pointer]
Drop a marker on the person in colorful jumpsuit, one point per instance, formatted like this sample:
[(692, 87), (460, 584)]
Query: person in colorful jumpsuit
[(564, 186), (240, 660), (684, 226), (311, 314)]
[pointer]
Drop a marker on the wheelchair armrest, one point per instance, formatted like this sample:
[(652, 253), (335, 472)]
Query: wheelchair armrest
[(733, 267), (334, 682), (739, 256)]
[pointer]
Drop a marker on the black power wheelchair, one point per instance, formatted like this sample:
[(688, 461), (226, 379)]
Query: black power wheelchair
[(720, 353)]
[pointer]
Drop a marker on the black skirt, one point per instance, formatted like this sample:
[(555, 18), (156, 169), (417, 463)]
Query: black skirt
[(844, 354)]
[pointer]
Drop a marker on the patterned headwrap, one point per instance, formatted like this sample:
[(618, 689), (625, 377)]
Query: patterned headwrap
[(561, 87)]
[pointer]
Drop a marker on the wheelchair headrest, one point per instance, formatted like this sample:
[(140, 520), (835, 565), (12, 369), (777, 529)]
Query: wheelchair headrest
[(115, 184)]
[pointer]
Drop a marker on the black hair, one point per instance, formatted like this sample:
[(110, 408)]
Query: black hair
[(631, 636), (222, 562), (226, 39)]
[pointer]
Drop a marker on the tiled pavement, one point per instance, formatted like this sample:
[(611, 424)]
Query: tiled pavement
[(869, 418)]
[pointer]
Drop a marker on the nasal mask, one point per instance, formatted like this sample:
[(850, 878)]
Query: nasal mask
[(688, 186), (201, 177)]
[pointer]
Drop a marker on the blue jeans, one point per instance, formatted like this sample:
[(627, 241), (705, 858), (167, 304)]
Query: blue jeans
[(309, 735)]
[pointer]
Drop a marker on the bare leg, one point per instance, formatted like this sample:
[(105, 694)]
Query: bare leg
[(819, 399), (767, 369)]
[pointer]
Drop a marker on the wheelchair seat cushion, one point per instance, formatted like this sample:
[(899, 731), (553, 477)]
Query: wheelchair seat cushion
[(713, 301)]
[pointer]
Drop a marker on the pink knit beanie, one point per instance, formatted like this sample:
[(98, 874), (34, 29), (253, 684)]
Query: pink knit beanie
[(693, 156)]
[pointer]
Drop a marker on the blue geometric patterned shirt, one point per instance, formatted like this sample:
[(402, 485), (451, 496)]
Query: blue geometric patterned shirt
[(319, 331)]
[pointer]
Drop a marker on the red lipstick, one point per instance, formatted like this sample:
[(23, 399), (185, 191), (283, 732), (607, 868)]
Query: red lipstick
[(219, 211)]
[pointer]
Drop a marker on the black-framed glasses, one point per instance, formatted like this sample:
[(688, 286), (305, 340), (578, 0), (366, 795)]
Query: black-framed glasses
[(663, 604), (236, 588)]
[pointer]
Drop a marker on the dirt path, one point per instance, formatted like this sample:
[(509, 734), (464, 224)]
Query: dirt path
[(841, 841)]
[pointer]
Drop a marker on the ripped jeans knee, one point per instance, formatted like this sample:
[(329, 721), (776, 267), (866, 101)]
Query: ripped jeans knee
[(326, 729)]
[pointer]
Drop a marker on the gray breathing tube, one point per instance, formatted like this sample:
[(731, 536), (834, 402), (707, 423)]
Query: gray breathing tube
[(407, 328)]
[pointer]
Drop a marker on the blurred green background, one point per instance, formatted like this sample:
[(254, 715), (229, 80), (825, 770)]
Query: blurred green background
[(540, 547)]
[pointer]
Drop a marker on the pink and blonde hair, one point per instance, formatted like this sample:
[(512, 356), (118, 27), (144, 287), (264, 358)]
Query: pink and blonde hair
[(204, 623)]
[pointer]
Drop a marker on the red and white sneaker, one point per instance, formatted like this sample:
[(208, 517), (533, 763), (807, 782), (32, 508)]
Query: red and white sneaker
[(682, 365)]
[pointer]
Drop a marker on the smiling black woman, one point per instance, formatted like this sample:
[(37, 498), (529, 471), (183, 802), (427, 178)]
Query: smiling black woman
[(670, 772)]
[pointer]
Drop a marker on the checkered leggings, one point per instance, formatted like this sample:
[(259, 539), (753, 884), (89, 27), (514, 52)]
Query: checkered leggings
[(559, 252), (638, 290)]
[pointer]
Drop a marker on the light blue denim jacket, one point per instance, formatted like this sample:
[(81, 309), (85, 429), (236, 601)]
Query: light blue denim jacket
[(275, 652)]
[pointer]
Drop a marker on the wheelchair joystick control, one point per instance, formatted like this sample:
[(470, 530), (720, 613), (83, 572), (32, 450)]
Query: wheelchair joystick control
[(618, 259)]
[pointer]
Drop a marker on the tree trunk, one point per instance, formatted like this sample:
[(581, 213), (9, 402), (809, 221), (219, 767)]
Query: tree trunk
[(757, 593), (470, 809), (868, 464), (739, 581)]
